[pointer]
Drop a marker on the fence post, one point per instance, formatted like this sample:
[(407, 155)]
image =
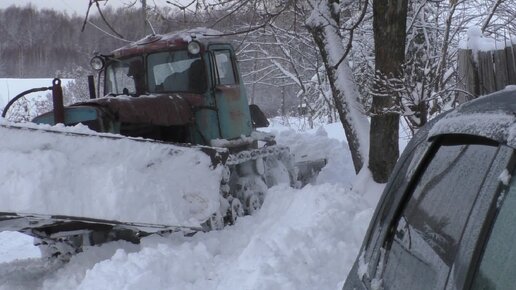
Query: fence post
[(487, 72)]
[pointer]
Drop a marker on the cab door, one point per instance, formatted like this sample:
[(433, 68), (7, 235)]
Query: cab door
[(230, 96)]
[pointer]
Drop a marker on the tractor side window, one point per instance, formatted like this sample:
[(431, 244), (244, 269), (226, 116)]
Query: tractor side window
[(127, 74), (176, 71), (427, 235), (225, 67)]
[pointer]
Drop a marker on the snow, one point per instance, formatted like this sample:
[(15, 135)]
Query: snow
[(186, 35), (43, 173), (494, 125), (300, 239), (505, 177), (476, 41)]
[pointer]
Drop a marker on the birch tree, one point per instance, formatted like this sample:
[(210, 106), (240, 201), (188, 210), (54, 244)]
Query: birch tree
[(324, 24)]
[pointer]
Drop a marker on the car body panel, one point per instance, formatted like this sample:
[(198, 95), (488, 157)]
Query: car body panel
[(497, 114)]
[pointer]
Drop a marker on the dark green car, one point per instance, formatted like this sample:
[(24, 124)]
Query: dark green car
[(447, 217)]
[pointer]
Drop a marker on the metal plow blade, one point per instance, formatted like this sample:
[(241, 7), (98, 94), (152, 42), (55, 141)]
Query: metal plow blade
[(71, 179), (46, 226)]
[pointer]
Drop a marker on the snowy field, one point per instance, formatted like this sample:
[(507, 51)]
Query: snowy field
[(10, 88), (301, 239)]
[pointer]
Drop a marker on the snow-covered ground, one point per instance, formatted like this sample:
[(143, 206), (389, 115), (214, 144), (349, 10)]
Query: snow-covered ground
[(301, 239), (9, 88)]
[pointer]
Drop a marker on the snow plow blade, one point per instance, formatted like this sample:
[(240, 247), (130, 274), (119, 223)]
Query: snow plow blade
[(57, 180), (45, 226)]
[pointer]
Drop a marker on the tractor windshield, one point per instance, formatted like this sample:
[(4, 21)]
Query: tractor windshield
[(176, 71), (125, 76)]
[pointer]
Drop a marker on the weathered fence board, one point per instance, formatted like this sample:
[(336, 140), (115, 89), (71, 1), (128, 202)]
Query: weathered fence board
[(501, 77), (510, 53), (467, 76), (485, 72)]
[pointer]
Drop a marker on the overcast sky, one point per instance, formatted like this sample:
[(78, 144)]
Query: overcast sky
[(71, 6)]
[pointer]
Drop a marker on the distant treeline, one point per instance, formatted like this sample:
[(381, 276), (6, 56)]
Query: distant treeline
[(41, 43), (38, 43)]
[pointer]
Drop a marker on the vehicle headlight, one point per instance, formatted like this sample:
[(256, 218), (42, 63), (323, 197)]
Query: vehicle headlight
[(194, 47), (97, 63)]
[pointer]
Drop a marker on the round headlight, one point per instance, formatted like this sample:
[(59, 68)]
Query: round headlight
[(194, 47), (97, 63)]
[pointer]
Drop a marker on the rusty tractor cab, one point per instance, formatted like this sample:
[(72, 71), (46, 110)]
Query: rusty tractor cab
[(180, 87)]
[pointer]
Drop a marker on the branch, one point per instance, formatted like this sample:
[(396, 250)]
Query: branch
[(86, 20), (491, 14), (181, 7), (230, 13), (105, 21), (444, 51), (87, 15), (351, 32), (107, 33)]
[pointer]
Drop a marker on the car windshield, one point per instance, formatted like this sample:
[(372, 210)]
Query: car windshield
[(125, 76), (176, 71)]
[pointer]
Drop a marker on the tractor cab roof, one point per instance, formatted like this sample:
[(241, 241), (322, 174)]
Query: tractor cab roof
[(174, 40)]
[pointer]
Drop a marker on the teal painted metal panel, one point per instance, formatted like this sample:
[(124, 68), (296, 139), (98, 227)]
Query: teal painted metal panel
[(234, 116), (73, 115), (206, 126), (230, 95)]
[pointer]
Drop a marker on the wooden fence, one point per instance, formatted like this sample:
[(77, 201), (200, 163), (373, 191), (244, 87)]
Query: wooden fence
[(488, 72)]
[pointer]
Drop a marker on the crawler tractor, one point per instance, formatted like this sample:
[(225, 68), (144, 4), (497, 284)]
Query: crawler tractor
[(181, 92)]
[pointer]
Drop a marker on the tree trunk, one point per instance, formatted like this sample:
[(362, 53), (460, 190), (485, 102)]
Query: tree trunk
[(324, 28), (389, 24)]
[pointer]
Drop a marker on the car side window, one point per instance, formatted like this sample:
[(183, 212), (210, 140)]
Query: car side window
[(426, 236), (496, 270)]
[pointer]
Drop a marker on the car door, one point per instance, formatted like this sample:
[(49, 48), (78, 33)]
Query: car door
[(423, 246), (494, 256)]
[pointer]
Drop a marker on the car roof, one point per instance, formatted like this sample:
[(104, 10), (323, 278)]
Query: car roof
[(492, 116)]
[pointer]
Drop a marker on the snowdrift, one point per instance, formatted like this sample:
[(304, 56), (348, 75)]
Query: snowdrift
[(300, 239), (103, 177)]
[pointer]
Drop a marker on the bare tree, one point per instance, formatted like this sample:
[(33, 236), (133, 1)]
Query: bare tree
[(390, 36), (324, 24)]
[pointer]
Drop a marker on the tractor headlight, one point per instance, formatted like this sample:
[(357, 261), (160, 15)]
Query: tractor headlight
[(194, 47), (97, 63)]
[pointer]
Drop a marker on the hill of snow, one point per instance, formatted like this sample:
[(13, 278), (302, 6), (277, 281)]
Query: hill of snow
[(301, 239)]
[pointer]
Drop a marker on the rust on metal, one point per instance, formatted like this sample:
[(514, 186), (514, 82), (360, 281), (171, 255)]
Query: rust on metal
[(57, 99), (164, 110), (156, 43), (231, 92)]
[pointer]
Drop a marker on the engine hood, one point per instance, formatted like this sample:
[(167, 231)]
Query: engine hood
[(164, 110)]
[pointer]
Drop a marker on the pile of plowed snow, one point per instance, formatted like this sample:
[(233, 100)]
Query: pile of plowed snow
[(301, 239), (96, 176)]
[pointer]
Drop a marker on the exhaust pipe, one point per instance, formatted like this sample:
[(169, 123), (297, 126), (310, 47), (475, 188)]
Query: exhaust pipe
[(57, 100), (91, 87)]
